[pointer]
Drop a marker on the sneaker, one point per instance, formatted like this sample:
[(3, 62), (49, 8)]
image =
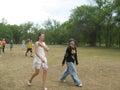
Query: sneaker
[(28, 83), (80, 85), (45, 89)]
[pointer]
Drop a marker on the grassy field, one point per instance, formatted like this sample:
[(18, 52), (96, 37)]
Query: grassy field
[(99, 69)]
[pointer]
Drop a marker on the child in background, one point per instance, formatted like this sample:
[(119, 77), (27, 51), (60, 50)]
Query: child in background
[(3, 45), (0, 47), (29, 47), (11, 45), (70, 57), (23, 44)]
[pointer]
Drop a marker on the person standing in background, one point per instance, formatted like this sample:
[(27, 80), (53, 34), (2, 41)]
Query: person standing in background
[(23, 44), (11, 45), (29, 47), (3, 45)]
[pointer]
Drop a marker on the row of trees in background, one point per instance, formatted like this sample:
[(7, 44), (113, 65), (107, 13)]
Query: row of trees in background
[(96, 25)]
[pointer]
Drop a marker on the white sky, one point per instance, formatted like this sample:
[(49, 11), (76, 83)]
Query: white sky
[(37, 11)]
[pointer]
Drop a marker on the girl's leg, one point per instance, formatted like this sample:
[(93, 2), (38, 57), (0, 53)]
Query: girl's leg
[(3, 49), (34, 74), (44, 77)]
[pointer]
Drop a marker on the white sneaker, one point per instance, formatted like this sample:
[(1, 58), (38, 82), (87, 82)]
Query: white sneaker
[(80, 85), (45, 89), (28, 83)]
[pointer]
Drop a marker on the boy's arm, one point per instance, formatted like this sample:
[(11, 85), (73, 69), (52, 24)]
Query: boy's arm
[(63, 62), (65, 57), (76, 57)]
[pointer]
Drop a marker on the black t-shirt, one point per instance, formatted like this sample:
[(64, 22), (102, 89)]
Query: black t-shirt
[(70, 55)]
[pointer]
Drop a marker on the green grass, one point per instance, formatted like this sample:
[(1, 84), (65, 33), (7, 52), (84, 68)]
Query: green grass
[(99, 69)]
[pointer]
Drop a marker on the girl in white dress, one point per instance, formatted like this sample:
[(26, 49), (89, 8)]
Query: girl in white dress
[(40, 60)]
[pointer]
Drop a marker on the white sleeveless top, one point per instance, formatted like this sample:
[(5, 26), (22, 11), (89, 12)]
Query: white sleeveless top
[(41, 52)]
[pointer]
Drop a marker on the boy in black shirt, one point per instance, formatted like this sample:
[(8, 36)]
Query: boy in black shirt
[(71, 57)]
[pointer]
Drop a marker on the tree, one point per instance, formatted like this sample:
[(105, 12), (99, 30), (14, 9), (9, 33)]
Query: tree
[(26, 29)]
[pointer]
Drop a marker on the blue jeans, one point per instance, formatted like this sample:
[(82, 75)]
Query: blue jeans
[(71, 70)]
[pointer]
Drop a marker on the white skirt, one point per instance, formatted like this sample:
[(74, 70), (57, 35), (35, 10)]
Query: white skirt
[(37, 63)]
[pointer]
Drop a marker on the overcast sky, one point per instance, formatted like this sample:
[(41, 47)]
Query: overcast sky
[(37, 11)]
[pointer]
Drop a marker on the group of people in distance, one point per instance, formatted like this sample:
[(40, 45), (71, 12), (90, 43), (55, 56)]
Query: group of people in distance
[(40, 61), (3, 45), (25, 44)]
